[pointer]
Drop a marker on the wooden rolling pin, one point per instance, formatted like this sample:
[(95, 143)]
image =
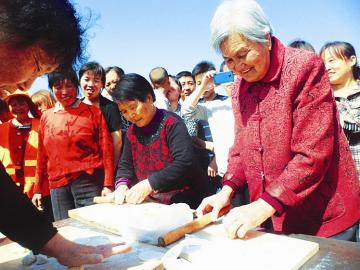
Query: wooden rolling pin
[(191, 227)]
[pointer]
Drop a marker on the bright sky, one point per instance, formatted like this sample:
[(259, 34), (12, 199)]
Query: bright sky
[(138, 35)]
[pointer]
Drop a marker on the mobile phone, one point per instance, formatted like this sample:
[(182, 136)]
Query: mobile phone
[(223, 77)]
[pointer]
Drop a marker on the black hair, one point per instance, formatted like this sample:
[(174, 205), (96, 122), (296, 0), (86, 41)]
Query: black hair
[(343, 50), (202, 67), (301, 44), (94, 67), (33, 109), (222, 66), (119, 71), (176, 80), (184, 73), (132, 86), (52, 24), (3, 106), (61, 75)]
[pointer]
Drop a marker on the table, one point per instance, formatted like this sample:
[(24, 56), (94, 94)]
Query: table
[(333, 254)]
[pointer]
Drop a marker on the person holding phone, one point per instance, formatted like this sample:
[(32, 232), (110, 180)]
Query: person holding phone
[(218, 113)]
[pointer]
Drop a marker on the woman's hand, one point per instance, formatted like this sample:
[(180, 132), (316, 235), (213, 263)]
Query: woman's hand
[(244, 218), (212, 168), (139, 192), (119, 194), (105, 191), (36, 200), (215, 203), (72, 254)]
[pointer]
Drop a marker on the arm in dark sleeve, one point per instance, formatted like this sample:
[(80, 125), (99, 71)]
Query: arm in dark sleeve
[(20, 220), (112, 116), (181, 151), (125, 173)]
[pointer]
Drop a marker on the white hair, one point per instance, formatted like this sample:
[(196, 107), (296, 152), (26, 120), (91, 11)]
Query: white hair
[(245, 17)]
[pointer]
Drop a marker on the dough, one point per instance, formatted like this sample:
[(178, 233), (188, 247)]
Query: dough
[(29, 259), (41, 259)]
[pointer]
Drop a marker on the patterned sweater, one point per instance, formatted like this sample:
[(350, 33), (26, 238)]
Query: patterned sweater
[(289, 146), (162, 153)]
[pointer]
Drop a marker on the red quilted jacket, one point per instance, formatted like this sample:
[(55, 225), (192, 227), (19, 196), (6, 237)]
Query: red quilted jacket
[(289, 144)]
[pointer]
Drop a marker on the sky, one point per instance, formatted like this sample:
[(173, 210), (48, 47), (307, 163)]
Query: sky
[(138, 35)]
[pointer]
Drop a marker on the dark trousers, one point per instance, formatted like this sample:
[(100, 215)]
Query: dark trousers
[(78, 193)]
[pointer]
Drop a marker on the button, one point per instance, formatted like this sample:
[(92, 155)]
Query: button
[(19, 147), (262, 176), (18, 163), (18, 133), (260, 149)]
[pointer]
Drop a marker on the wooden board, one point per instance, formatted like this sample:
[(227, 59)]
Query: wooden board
[(142, 256), (258, 251)]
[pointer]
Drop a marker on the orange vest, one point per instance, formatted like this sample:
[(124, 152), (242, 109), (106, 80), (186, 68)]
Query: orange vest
[(29, 157)]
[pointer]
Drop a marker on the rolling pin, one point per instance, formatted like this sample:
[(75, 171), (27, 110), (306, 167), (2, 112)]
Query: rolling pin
[(106, 199), (190, 227)]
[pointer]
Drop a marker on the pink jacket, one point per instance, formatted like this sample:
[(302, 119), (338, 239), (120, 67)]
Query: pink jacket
[(289, 145)]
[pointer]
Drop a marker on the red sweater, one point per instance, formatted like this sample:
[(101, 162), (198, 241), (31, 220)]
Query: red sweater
[(289, 146), (72, 141)]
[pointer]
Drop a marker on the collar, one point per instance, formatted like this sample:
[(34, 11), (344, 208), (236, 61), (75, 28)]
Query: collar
[(153, 123), (276, 61), (58, 107)]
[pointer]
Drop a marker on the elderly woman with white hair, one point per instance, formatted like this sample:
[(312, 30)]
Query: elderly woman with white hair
[(289, 148)]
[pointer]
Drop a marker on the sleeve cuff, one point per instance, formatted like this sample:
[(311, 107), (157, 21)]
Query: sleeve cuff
[(231, 185), (276, 204), (122, 181)]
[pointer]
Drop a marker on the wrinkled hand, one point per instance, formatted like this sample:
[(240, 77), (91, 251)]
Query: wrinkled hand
[(212, 168), (119, 194), (215, 203), (36, 200), (71, 254), (138, 193), (244, 218), (105, 191)]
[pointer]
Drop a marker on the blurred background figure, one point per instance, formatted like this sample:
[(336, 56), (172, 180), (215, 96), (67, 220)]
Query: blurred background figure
[(92, 81), (344, 74), (5, 114), (43, 99), (19, 145), (301, 44), (112, 76), (187, 82), (160, 81)]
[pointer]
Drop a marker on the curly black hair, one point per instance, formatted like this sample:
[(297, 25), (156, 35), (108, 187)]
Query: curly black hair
[(53, 24)]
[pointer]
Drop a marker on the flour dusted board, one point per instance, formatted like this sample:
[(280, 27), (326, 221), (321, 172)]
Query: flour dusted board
[(142, 256), (259, 251)]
